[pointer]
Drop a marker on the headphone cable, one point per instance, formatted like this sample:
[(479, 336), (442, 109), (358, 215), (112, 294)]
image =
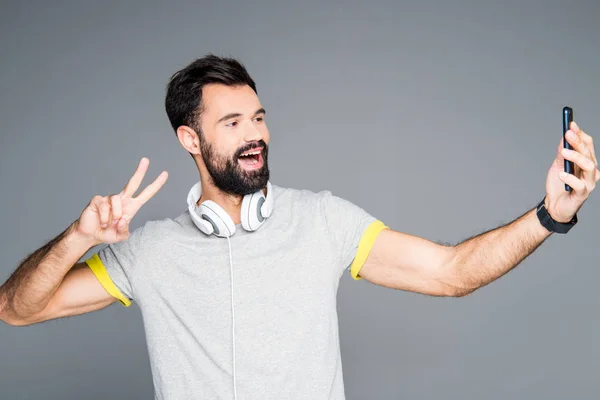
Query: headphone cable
[(232, 319)]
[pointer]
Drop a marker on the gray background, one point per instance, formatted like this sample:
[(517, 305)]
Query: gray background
[(440, 118)]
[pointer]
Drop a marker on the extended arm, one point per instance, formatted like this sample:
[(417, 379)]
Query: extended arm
[(402, 261)]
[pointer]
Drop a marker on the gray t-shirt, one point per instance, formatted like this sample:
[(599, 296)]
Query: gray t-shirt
[(286, 276)]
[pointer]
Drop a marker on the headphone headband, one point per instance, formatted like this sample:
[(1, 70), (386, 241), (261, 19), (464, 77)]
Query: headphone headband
[(210, 218)]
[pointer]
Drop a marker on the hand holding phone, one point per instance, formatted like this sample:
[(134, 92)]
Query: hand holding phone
[(567, 117)]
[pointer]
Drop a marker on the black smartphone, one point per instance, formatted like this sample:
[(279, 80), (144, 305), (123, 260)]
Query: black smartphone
[(567, 117)]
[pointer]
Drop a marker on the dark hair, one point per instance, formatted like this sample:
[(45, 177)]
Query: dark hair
[(183, 101)]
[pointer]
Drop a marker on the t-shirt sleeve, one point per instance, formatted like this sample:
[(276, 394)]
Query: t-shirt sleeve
[(352, 231), (114, 266)]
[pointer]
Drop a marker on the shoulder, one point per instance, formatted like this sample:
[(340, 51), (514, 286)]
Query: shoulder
[(322, 202), (301, 196), (300, 203), (158, 230)]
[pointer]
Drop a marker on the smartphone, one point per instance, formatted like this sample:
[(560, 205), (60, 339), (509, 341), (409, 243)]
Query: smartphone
[(567, 117)]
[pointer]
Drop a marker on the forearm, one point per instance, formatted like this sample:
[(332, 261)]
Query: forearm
[(32, 284), (486, 257)]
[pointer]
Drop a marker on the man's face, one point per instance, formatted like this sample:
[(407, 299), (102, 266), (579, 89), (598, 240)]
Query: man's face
[(234, 139)]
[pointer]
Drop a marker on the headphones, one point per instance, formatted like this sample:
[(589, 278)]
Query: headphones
[(211, 219)]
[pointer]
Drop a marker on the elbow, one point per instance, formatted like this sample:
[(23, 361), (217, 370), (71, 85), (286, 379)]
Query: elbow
[(450, 289), (14, 321), (461, 292), (11, 318), (457, 283), (7, 319)]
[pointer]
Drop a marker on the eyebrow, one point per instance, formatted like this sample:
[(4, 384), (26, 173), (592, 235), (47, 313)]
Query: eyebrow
[(235, 115)]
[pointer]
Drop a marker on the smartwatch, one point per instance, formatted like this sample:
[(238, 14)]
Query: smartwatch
[(550, 224)]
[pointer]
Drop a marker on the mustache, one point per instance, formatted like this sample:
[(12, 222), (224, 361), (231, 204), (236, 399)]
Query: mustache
[(250, 146)]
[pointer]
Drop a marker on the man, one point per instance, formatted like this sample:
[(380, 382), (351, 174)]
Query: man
[(231, 308)]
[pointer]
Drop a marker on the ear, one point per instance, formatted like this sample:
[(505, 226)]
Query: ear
[(189, 139)]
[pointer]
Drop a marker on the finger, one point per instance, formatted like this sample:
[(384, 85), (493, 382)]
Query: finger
[(123, 224), (559, 157), (96, 202), (577, 143), (117, 207), (136, 180), (587, 166), (559, 161), (582, 161), (153, 188), (104, 211), (587, 139), (579, 187)]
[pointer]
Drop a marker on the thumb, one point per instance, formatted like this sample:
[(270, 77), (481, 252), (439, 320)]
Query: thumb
[(559, 160), (123, 224)]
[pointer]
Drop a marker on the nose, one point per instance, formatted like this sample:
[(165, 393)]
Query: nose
[(252, 134)]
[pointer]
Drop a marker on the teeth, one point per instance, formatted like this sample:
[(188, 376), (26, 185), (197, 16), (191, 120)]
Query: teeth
[(250, 161), (251, 154)]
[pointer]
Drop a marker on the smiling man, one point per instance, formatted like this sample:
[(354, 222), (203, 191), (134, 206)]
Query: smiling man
[(238, 292)]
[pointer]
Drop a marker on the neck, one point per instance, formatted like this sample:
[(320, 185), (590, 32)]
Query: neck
[(232, 204)]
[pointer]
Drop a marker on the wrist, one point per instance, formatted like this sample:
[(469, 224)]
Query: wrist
[(539, 227), (548, 221), (552, 215), (79, 238)]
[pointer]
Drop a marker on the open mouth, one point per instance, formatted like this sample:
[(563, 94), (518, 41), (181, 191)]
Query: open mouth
[(251, 159)]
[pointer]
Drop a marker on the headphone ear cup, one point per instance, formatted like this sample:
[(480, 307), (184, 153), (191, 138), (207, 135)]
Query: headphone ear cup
[(205, 226), (267, 207), (221, 223), (251, 215)]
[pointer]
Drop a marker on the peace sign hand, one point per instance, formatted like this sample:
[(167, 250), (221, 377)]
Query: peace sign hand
[(106, 218)]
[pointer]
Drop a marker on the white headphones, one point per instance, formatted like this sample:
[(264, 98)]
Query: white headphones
[(211, 219)]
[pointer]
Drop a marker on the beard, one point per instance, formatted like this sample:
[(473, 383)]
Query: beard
[(227, 174)]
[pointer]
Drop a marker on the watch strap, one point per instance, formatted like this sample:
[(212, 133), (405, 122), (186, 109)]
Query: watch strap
[(549, 223)]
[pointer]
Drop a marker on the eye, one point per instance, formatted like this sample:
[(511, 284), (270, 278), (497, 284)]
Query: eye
[(231, 124), (259, 119)]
